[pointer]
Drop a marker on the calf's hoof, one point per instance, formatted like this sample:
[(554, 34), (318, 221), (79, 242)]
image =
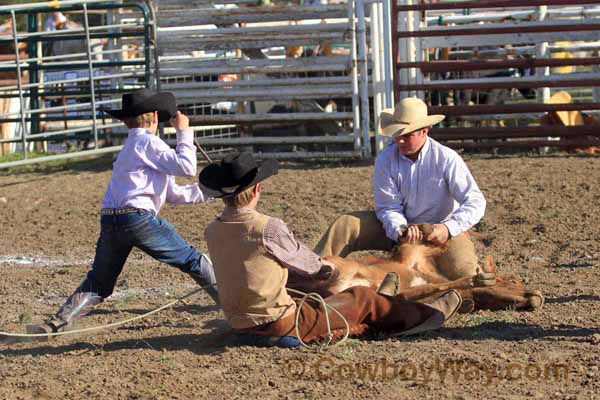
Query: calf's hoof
[(535, 299), (484, 279), (390, 285)]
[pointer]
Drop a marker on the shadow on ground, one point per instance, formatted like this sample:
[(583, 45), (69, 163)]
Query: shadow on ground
[(510, 331), (201, 344), (71, 166), (568, 299)]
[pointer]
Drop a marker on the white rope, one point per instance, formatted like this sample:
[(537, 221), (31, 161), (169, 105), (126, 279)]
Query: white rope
[(305, 296), (318, 298), (107, 326)]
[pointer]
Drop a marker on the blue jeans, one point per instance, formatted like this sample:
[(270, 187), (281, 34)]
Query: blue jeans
[(155, 236)]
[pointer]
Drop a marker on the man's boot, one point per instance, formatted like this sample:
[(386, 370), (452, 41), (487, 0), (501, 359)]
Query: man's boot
[(447, 305), (205, 277), (76, 306)]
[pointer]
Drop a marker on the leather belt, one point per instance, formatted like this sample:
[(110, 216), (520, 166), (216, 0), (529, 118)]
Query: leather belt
[(119, 211)]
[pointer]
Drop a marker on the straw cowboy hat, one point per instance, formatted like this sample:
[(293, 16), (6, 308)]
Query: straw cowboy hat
[(236, 172), (143, 101), (409, 115), (567, 118)]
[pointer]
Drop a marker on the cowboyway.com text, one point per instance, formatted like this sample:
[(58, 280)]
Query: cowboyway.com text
[(329, 368)]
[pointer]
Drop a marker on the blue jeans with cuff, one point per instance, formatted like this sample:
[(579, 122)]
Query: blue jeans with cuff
[(156, 237)]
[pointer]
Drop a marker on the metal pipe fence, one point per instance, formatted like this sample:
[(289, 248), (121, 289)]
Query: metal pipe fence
[(236, 65), (494, 71), (232, 67), (61, 78)]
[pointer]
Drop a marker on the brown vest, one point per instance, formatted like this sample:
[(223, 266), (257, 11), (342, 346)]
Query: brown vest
[(251, 282)]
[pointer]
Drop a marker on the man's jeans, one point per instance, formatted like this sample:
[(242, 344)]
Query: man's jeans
[(150, 233)]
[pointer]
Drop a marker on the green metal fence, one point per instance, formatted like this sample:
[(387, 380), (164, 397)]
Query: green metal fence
[(53, 84)]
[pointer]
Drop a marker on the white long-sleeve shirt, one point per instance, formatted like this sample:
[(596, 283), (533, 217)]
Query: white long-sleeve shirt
[(144, 173), (436, 188)]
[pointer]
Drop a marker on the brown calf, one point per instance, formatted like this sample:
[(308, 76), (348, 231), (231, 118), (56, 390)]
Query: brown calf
[(421, 280)]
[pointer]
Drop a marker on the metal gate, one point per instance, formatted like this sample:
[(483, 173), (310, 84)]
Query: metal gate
[(54, 82), (286, 80), (274, 70)]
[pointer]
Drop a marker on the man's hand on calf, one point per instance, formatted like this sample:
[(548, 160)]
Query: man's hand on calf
[(440, 234), (412, 234)]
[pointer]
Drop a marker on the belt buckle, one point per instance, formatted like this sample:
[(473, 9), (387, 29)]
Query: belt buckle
[(126, 210)]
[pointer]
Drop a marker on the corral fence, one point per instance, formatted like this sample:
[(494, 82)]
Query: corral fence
[(492, 66), (53, 82), (290, 78), (298, 78), (284, 79)]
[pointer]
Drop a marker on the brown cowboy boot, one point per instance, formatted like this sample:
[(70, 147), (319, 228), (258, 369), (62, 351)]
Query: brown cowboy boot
[(447, 304), (76, 306)]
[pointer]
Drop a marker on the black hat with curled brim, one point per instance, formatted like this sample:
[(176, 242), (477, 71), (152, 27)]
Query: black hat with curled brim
[(235, 173), (143, 101)]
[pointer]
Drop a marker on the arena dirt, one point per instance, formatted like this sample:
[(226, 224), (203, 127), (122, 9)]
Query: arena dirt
[(542, 223)]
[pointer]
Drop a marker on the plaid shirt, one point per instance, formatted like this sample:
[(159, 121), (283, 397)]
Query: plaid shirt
[(281, 243)]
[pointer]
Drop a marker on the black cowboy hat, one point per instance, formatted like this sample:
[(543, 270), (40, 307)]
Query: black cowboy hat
[(144, 101), (235, 172)]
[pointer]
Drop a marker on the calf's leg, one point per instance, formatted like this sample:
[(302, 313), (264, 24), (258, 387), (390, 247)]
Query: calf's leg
[(507, 293)]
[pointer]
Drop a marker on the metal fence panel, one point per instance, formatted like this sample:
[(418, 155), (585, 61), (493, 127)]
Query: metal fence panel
[(237, 60), (508, 66), (54, 81)]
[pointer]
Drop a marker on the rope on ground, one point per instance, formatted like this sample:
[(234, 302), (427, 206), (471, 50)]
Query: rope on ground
[(305, 296), (107, 326), (318, 298)]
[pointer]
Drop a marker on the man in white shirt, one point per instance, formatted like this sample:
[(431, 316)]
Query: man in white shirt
[(416, 180), (54, 20), (143, 180)]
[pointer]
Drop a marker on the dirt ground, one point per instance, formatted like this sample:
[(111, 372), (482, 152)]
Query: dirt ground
[(542, 223)]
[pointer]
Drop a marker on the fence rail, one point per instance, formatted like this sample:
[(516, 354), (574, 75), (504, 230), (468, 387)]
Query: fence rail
[(285, 63), (59, 78), (461, 64), (297, 81)]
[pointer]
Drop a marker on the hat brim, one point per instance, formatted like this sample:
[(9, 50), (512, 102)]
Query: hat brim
[(567, 118), (389, 128), (213, 179), (561, 97), (163, 102)]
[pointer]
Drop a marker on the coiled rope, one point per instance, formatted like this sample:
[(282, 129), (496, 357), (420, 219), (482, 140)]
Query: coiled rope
[(329, 337)]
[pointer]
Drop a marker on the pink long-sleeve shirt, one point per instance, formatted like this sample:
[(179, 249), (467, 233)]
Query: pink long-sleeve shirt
[(145, 170)]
